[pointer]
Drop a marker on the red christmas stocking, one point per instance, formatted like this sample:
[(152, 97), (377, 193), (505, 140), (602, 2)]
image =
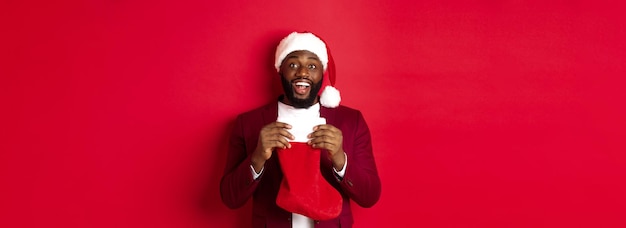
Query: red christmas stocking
[(303, 189)]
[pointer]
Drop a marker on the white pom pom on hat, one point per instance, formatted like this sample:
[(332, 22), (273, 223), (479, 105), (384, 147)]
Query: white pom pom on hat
[(306, 41)]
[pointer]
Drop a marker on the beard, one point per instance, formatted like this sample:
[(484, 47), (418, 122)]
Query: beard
[(297, 102)]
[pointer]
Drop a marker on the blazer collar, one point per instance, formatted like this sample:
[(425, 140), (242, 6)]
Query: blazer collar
[(270, 112), (329, 114)]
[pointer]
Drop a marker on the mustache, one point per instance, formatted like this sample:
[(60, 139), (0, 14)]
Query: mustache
[(300, 79)]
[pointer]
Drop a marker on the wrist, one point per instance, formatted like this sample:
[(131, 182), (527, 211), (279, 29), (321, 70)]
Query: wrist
[(256, 160), (339, 159)]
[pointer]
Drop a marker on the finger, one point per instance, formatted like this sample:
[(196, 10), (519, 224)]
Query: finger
[(276, 137), (284, 142), (320, 133), (325, 145), (278, 131), (325, 142), (286, 134), (281, 125), (278, 144), (322, 141), (273, 129), (324, 138), (325, 127), (274, 126)]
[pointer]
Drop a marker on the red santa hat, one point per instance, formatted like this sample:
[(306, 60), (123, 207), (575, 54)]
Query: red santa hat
[(306, 41)]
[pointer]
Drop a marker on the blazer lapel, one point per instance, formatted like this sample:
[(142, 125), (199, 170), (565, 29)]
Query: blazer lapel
[(270, 113), (329, 114)]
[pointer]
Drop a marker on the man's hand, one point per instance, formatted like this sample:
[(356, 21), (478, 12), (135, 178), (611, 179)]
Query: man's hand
[(329, 137), (273, 135)]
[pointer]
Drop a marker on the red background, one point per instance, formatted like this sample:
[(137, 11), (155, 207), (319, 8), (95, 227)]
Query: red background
[(483, 114)]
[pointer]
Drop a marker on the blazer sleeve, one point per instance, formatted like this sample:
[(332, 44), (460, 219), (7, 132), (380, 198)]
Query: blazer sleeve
[(237, 184), (361, 181)]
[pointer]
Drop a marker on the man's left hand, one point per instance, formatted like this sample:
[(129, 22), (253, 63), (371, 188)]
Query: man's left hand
[(329, 137)]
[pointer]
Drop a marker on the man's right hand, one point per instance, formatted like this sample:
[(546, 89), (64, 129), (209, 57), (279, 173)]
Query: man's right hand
[(273, 135)]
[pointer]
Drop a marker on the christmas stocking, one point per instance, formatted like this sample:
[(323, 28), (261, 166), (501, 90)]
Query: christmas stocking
[(303, 189)]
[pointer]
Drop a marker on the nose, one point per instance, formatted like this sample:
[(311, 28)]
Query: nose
[(302, 72)]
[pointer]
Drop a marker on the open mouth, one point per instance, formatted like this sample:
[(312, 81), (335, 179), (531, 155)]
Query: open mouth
[(301, 87)]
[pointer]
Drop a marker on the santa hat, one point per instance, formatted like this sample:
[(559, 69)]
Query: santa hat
[(329, 95)]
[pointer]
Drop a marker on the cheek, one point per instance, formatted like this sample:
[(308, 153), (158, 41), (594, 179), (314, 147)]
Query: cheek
[(318, 76), (287, 72)]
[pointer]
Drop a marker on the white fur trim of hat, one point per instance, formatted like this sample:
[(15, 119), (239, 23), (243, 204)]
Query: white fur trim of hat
[(301, 42)]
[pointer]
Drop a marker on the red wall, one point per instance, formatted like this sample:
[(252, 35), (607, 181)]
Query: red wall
[(483, 114)]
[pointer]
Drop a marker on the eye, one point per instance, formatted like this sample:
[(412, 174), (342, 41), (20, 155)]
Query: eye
[(312, 66), (292, 65)]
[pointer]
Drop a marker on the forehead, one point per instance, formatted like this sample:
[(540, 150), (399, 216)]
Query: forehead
[(302, 54)]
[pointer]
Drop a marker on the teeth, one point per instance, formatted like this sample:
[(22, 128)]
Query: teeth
[(303, 84)]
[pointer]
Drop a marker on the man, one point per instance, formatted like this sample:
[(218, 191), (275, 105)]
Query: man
[(257, 167)]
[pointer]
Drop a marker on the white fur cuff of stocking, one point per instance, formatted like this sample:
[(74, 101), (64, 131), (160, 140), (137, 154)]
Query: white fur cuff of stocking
[(301, 127)]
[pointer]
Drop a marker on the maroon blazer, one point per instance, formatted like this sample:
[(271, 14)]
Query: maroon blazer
[(360, 182)]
